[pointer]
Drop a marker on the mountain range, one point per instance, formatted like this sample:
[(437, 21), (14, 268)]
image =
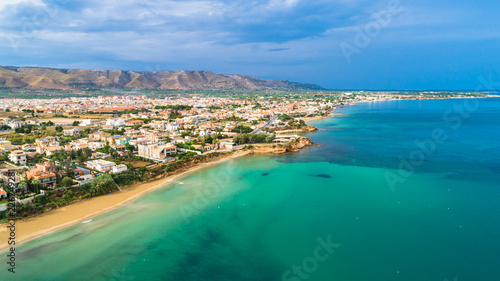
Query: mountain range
[(66, 79)]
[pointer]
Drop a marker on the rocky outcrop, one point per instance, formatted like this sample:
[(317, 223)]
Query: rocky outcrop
[(303, 129), (296, 145)]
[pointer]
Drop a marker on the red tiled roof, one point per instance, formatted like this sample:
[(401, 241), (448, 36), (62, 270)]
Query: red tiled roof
[(114, 109)]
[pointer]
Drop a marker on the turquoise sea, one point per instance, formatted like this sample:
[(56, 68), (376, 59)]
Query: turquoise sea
[(399, 190)]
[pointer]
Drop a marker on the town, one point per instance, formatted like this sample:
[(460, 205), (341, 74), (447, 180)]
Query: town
[(56, 151)]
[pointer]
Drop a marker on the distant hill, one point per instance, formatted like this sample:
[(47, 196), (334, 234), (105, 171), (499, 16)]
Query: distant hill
[(64, 79)]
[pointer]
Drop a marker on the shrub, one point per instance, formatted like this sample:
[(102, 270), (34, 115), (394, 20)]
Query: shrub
[(86, 195), (41, 199)]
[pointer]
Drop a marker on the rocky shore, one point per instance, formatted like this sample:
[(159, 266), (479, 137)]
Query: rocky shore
[(303, 129), (296, 145)]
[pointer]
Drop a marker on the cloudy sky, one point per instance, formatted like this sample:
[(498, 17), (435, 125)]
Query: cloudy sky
[(338, 44)]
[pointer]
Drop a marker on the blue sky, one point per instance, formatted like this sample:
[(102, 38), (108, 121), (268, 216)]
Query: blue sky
[(339, 44)]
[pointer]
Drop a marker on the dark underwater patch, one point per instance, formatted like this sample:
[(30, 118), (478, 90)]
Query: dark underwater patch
[(265, 174), (322, 176)]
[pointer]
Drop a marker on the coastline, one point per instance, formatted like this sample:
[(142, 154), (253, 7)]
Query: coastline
[(35, 227), (66, 216), (332, 113)]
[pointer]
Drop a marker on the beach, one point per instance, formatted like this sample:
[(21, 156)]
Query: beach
[(54, 220)]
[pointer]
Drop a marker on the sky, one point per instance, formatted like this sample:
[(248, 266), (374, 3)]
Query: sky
[(337, 44)]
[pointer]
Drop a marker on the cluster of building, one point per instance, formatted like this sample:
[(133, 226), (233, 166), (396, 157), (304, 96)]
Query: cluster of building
[(127, 126)]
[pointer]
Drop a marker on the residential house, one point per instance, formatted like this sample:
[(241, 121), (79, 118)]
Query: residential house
[(76, 132), (100, 165), (18, 156), (134, 122), (39, 142), (205, 148), (50, 150), (157, 151), (6, 145), (115, 122), (44, 173), (28, 146), (99, 135), (119, 168), (86, 122)]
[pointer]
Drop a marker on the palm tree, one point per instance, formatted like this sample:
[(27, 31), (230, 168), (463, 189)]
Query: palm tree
[(216, 142), (22, 185), (36, 185), (57, 170)]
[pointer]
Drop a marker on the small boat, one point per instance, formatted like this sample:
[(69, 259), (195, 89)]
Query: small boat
[(181, 183), (87, 221)]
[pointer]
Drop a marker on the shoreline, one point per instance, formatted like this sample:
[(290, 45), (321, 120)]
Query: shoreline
[(332, 113), (35, 227), (38, 226)]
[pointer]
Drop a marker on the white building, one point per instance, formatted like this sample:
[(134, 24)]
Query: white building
[(115, 122), (86, 122), (18, 156), (157, 151), (119, 168), (77, 132), (172, 126), (101, 165)]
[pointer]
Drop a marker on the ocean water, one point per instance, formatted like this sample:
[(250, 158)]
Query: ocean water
[(402, 190)]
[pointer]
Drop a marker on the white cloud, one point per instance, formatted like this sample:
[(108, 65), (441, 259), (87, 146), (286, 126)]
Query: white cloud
[(5, 3)]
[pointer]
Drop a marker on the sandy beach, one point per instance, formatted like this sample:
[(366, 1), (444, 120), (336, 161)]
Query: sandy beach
[(35, 227)]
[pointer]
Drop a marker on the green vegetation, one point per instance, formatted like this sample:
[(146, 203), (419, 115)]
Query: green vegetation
[(242, 129), (174, 107), (285, 117), (253, 138)]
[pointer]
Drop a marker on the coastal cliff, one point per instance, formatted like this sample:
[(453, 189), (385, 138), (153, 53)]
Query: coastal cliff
[(295, 145), (291, 129)]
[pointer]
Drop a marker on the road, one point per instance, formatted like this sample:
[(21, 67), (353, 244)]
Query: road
[(259, 129)]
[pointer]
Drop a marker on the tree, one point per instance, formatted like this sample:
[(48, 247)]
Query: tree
[(22, 185), (72, 154), (103, 184), (35, 182), (59, 129), (106, 149), (216, 142), (285, 117), (67, 181), (81, 158), (57, 169), (88, 152), (76, 123), (143, 169), (242, 129)]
